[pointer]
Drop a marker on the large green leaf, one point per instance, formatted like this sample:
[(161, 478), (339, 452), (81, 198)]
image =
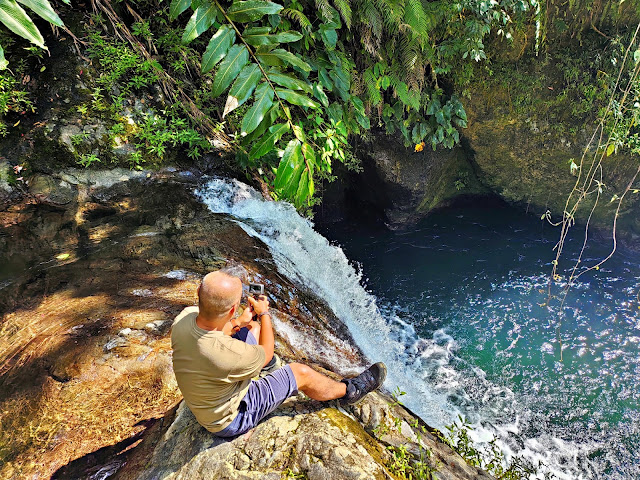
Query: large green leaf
[(252, 10), (305, 188), (177, 7), (16, 19), (318, 92), (257, 37), (278, 56), (242, 88), (361, 116), (267, 142), (3, 61), (200, 21), (289, 81), (323, 75), (329, 36), (288, 36), (43, 9), (342, 82), (296, 98), (218, 47), (253, 117), (236, 59), (290, 167), (309, 155), (255, 31), (271, 116)]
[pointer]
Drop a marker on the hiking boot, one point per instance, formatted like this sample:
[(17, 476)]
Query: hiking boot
[(368, 381)]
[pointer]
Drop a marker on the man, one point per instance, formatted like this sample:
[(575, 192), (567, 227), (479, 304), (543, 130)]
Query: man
[(216, 353)]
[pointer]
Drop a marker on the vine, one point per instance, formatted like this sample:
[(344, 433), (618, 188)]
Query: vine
[(618, 128)]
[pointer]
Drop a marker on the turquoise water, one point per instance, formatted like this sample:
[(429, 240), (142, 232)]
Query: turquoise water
[(473, 284)]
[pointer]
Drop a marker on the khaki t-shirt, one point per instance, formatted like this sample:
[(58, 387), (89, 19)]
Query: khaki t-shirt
[(213, 370)]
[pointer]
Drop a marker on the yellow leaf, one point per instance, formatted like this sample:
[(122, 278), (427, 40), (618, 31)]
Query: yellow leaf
[(63, 256), (419, 147), (610, 149), (17, 123)]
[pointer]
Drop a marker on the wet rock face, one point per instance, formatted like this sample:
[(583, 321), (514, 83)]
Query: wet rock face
[(529, 124), (527, 163), (399, 185)]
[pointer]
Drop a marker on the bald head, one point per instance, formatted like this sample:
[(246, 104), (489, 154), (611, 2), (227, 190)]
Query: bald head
[(218, 293)]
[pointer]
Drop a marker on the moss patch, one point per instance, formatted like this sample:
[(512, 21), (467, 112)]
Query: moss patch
[(347, 425)]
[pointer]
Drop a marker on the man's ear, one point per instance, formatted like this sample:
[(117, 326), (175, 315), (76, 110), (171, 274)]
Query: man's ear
[(232, 310)]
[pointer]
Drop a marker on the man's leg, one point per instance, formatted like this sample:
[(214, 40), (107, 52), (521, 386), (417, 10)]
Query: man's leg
[(263, 397), (316, 385), (248, 334)]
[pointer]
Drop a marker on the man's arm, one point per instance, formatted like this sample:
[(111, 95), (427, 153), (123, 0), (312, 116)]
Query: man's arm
[(261, 309)]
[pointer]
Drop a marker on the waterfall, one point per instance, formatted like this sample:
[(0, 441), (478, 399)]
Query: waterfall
[(307, 258)]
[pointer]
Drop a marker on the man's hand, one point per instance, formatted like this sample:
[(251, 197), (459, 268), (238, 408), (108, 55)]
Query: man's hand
[(261, 305), (243, 320)]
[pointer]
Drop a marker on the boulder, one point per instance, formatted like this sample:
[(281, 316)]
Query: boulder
[(49, 190), (87, 389)]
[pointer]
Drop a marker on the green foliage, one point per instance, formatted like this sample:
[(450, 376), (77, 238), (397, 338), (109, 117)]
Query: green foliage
[(121, 66), (125, 73), (16, 19), (88, 159), (79, 138), (141, 29), (416, 462), (13, 99), (490, 458), (622, 120), (405, 466), (157, 133), (295, 65)]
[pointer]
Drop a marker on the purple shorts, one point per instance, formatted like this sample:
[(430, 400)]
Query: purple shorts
[(263, 397)]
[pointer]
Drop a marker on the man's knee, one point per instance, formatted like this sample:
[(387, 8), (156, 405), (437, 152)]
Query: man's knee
[(301, 372)]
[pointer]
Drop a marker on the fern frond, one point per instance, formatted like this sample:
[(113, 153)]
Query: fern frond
[(357, 84), (324, 8), (392, 13), (416, 18), (344, 7), (404, 54), (298, 17), (370, 44), (374, 97), (370, 17)]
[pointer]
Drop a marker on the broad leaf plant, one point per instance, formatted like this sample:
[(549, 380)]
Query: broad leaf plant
[(312, 75)]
